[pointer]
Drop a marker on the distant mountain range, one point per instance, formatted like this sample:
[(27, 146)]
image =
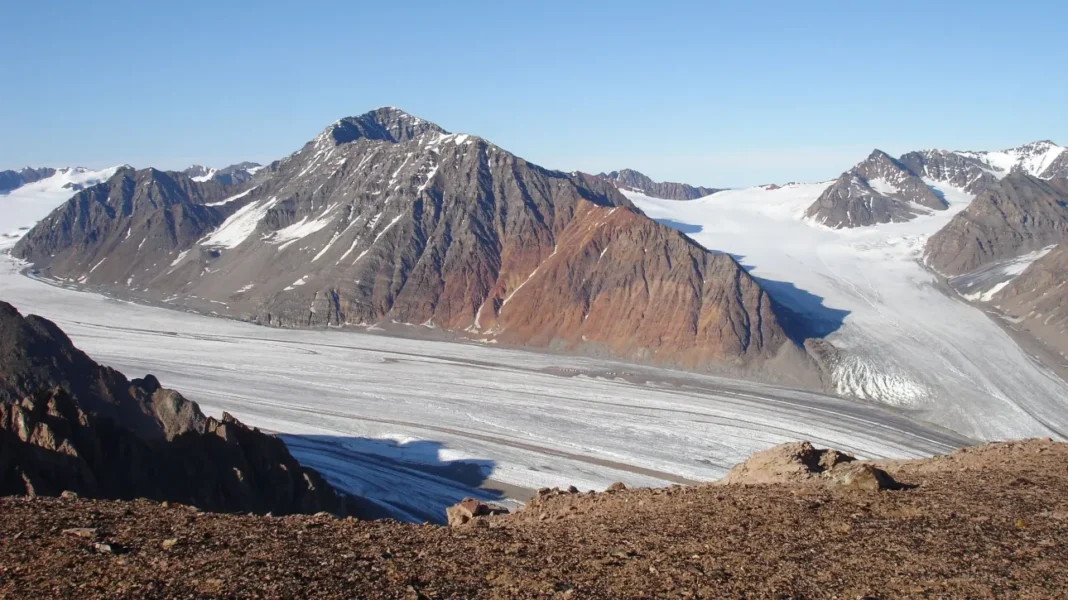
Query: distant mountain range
[(634, 181), (10, 180)]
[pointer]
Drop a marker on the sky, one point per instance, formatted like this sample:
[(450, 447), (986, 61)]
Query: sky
[(707, 93)]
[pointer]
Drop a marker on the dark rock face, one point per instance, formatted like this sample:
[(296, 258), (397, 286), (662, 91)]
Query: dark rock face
[(1018, 214), (1038, 299), (880, 189), (629, 179), (386, 217), (69, 424), (10, 180)]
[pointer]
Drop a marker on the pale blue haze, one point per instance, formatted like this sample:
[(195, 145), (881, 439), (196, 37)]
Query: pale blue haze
[(708, 93)]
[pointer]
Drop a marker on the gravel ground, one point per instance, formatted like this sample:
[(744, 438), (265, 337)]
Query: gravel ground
[(990, 522)]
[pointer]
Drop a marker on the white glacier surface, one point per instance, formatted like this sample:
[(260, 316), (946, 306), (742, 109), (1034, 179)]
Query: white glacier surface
[(906, 342)]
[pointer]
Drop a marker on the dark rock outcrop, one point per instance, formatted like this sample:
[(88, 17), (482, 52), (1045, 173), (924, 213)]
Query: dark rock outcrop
[(68, 424), (629, 179)]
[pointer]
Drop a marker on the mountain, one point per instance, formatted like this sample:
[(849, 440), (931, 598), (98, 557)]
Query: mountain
[(232, 175), (1042, 159), (386, 217), (69, 424), (964, 172), (30, 201), (634, 181), (1037, 299), (120, 229), (1019, 213), (880, 189), (10, 180)]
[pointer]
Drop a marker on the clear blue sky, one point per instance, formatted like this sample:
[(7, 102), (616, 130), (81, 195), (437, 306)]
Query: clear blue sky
[(708, 93)]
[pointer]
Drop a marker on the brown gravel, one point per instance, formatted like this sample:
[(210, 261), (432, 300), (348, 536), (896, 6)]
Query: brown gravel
[(984, 523)]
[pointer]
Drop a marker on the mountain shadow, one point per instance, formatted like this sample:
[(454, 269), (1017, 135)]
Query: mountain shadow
[(808, 317), (687, 228), (405, 481)]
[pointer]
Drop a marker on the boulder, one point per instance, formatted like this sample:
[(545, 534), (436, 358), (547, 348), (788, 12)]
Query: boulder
[(470, 509), (799, 462)]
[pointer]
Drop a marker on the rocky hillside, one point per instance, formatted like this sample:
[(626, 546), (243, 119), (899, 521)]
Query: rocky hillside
[(68, 424), (880, 189), (1037, 299), (387, 218), (634, 181), (987, 522), (1018, 214), (123, 229)]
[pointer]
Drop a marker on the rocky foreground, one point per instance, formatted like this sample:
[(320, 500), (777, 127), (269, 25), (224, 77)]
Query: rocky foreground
[(981, 523)]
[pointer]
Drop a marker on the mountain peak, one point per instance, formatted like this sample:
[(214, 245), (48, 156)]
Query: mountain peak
[(387, 123)]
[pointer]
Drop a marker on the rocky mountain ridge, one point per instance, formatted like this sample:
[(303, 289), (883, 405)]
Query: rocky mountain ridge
[(10, 180), (68, 424), (1017, 214), (629, 179), (235, 174)]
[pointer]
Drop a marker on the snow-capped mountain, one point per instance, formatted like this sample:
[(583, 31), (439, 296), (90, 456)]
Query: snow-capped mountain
[(880, 189), (231, 175), (39, 192), (386, 217), (1042, 159)]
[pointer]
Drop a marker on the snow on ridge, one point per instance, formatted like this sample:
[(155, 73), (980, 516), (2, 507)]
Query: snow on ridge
[(232, 198), (302, 229), (1033, 158), (239, 226), (205, 177), (990, 280), (883, 186)]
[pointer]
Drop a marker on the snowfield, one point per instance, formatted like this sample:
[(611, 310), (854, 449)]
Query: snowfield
[(906, 343), (416, 425)]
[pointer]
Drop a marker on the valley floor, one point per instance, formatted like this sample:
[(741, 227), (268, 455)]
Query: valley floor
[(414, 425), (991, 522)]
